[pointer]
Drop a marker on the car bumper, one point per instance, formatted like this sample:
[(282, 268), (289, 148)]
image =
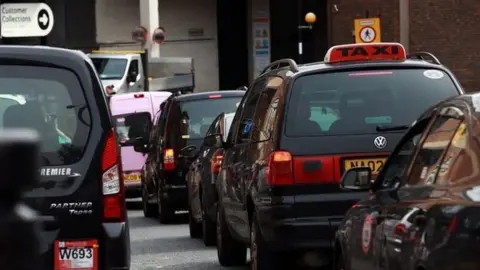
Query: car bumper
[(286, 233), (133, 190), (117, 245)]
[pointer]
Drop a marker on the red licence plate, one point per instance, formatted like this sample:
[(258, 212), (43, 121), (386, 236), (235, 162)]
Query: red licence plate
[(76, 255)]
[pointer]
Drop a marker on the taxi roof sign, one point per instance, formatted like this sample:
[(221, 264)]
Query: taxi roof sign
[(366, 52)]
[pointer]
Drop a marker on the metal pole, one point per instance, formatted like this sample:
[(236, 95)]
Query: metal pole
[(299, 27), (404, 20)]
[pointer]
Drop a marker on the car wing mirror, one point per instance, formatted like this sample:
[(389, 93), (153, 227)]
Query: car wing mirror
[(357, 179), (187, 149), (212, 140)]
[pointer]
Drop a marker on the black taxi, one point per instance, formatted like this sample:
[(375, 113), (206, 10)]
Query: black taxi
[(423, 210), (298, 129)]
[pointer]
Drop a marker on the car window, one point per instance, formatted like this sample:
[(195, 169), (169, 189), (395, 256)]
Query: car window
[(401, 158), (131, 126), (266, 111), (133, 66), (246, 123), (110, 68), (199, 114), (51, 101), (426, 164), (458, 163), (357, 102)]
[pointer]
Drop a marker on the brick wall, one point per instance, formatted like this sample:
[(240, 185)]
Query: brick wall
[(447, 28), (342, 20)]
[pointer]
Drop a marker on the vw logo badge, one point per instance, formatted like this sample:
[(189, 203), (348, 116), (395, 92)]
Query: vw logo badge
[(380, 142)]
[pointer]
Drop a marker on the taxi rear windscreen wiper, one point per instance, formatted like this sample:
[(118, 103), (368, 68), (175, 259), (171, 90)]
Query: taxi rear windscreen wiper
[(392, 128)]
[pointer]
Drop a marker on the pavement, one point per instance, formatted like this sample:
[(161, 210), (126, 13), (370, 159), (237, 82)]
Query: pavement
[(158, 246)]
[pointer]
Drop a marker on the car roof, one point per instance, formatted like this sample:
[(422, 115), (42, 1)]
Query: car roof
[(128, 96), (52, 55), (205, 95), (322, 66)]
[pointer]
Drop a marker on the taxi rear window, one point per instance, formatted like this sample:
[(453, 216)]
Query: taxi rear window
[(358, 102)]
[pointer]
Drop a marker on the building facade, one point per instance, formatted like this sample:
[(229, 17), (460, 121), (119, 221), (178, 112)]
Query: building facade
[(231, 41)]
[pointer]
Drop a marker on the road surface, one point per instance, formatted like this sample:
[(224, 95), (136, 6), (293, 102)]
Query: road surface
[(157, 246)]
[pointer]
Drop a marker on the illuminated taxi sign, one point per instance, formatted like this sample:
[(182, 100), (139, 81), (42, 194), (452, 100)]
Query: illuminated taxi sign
[(365, 52)]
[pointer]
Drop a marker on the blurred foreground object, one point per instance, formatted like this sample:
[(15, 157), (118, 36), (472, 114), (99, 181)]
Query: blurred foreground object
[(19, 163)]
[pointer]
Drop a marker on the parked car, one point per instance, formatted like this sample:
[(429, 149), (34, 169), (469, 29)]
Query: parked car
[(297, 130), (133, 115), (174, 144), (202, 178), (427, 191), (80, 197)]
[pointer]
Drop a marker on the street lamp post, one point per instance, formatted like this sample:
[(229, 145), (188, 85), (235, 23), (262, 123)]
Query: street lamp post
[(310, 18)]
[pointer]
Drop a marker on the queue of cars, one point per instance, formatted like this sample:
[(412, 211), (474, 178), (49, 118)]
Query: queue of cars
[(319, 164)]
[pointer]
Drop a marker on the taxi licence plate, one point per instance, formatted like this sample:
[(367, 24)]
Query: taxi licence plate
[(131, 177), (376, 164), (76, 255)]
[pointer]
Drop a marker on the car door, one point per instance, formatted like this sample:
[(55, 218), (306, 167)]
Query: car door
[(149, 167), (161, 134), (425, 180), (365, 241), (241, 168)]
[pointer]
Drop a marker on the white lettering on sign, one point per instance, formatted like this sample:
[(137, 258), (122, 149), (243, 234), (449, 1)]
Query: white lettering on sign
[(55, 171)]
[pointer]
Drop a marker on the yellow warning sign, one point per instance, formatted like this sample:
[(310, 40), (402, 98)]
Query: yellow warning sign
[(367, 30)]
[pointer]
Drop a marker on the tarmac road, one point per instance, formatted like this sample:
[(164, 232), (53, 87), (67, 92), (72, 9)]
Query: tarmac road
[(158, 246)]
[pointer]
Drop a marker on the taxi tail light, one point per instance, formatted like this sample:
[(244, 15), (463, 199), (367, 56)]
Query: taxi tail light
[(168, 159), (279, 171), (453, 224), (112, 182), (400, 229), (216, 161)]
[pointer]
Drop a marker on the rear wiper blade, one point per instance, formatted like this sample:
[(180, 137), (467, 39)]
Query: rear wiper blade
[(392, 128)]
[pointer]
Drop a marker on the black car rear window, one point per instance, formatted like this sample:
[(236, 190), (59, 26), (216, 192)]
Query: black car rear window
[(357, 102), (198, 115), (51, 101), (132, 126)]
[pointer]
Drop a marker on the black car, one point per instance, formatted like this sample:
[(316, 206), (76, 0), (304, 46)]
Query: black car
[(174, 144), (80, 197), (202, 178), (298, 128), (423, 212)]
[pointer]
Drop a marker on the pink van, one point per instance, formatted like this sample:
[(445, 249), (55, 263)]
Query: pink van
[(133, 115)]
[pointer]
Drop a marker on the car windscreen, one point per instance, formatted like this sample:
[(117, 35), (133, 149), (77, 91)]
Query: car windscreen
[(363, 102), (198, 115), (53, 104), (132, 126), (110, 68)]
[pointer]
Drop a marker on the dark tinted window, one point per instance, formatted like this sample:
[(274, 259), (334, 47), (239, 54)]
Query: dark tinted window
[(51, 101), (131, 126), (428, 159), (356, 102), (198, 115), (247, 122), (110, 68), (267, 107)]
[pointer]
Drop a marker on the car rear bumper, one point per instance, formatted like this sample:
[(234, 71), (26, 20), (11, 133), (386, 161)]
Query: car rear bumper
[(286, 233), (175, 190), (117, 245), (133, 190)]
